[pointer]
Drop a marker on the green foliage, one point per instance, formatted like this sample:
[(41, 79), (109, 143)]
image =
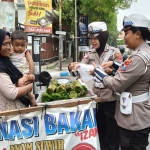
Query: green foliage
[(50, 67), (97, 10), (129, 52), (120, 42), (112, 40)]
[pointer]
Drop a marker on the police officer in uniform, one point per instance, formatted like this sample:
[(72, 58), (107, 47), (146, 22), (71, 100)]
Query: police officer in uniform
[(106, 123), (132, 82)]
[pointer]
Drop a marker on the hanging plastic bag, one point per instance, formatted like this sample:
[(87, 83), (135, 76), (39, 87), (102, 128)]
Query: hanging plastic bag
[(84, 71)]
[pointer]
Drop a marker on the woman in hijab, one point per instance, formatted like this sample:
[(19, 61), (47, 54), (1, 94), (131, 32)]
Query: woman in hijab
[(9, 75), (102, 52)]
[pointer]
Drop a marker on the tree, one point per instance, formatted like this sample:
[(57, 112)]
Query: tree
[(97, 10), (105, 10)]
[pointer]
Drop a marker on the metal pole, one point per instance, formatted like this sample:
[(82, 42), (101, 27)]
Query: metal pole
[(36, 55), (60, 36), (76, 33)]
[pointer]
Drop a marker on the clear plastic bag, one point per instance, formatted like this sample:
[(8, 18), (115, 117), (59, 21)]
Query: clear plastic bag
[(84, 71)]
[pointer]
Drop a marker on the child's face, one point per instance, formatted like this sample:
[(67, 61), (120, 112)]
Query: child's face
[(19, 46)]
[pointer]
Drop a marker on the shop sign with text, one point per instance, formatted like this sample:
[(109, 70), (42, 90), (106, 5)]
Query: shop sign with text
[(38, 16)]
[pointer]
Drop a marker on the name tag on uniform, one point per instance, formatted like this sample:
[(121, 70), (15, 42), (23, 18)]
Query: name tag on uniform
[(126, 103)]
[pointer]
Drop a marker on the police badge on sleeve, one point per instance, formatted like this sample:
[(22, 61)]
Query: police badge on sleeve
[(125, 65)]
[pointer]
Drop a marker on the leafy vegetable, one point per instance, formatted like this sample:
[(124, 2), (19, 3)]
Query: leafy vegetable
[(64, 95), (45, 97), (64, 91), (56, 96)]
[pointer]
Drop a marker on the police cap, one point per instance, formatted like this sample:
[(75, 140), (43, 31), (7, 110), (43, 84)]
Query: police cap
[(135, 20)]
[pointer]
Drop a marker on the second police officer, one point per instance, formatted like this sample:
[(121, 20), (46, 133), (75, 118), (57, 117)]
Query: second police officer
[(102, 52)]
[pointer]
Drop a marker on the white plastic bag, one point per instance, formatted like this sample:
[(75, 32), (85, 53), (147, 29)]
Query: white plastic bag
[(84, 71)]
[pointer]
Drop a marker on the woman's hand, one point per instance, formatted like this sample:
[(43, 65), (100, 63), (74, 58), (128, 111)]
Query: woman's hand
[(31, 77), (72, 66), (24, 90)]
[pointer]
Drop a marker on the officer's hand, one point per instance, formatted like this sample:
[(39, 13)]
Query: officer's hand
[(93, 63), (72, 66), (107, 64), (99, 73), (92, 72), (108, 70)]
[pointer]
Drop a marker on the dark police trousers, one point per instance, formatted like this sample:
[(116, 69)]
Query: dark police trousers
[(107, 126), (134, 140)]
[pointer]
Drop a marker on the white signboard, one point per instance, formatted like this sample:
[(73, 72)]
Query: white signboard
[(72, 128), (83, 48), (36, 47), (36, 68), (61, 32)]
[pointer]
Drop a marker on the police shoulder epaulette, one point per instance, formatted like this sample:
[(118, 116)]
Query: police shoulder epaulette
[(142, 53), (145, 55)]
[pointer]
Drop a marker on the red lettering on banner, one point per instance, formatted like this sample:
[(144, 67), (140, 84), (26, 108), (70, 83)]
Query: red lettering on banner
[(34, 13), (39, 4), (87, 134), (38, 29)]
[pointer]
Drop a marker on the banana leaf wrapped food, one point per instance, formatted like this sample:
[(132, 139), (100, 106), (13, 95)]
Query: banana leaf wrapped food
[(85, 89), (83, 92), (54, 81), (51, 88), (77, 86), (64, 91), (73, 94), (69, 87), (61, 88)]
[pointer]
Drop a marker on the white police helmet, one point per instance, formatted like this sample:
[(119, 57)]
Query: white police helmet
[(135, 20), (95, 28)]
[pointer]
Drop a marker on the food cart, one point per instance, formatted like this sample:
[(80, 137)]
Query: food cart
[(63, 124)]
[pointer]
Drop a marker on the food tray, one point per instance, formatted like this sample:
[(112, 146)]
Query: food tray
[(90, 95)]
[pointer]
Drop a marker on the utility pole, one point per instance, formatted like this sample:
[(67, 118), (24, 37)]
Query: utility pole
[(76, 33), (60, 36)]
